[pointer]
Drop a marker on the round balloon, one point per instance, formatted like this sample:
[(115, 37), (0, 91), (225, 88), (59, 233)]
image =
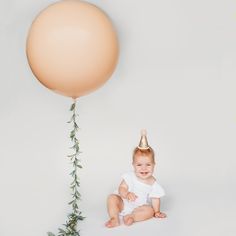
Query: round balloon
[(72, 47)]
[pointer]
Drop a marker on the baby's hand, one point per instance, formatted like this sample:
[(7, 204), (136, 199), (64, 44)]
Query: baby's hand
[(159, 214), (131, 196)]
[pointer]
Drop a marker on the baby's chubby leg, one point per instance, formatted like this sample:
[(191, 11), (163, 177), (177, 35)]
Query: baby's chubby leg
[(114, 206), (141, 213)]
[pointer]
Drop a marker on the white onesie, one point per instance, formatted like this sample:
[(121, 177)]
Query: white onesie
[(144, 192)]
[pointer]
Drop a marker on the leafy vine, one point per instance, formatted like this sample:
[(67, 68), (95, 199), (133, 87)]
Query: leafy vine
[(70, 227)]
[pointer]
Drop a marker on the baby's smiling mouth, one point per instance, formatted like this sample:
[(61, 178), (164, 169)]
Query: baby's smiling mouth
[(143, 172)]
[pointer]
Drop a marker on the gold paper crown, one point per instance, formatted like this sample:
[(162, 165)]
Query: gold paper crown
[(143, 144)]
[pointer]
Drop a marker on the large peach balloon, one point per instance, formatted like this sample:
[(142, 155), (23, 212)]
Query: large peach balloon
[(72, 47)]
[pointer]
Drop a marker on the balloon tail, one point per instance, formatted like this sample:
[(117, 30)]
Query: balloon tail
[(70, 227)]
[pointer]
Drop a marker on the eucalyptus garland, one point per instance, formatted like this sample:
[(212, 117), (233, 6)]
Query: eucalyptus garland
[(70, 227)]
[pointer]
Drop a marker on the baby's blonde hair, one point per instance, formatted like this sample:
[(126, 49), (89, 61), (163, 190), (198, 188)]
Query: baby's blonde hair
[(144, 152)]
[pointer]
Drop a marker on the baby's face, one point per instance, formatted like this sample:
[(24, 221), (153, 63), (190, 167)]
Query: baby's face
[(143, 166)]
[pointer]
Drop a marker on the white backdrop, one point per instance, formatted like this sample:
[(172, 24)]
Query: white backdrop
[(175, 77)]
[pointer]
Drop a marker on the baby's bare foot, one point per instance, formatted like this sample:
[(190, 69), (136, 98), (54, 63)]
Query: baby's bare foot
[(113, 222), (128, 220)]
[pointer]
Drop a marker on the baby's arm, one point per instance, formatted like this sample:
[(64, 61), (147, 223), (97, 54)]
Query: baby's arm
[(156, 207), (124, 193)]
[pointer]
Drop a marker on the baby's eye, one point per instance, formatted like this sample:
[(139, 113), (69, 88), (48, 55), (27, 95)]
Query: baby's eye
[(138, 164)]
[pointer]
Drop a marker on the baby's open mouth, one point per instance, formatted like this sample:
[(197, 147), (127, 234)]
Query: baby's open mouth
[(144, 173)]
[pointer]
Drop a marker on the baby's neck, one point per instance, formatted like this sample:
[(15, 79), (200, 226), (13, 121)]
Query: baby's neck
[(150, 180)]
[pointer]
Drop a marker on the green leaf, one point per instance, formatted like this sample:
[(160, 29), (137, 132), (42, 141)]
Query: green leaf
[(72, 106), (72, 133), (62, 231), (72, 155), (71, 202), (73, 172), (81, 218), (75, 146), (76, 126), (50, 234)]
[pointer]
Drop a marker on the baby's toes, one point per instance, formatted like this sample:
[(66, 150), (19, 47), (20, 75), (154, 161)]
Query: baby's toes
[(112, 223)]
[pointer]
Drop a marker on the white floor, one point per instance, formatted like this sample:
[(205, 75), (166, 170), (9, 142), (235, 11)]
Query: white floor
[(196, 211)]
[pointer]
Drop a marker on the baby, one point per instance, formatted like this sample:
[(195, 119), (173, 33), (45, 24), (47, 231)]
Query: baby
[(138, 196)]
